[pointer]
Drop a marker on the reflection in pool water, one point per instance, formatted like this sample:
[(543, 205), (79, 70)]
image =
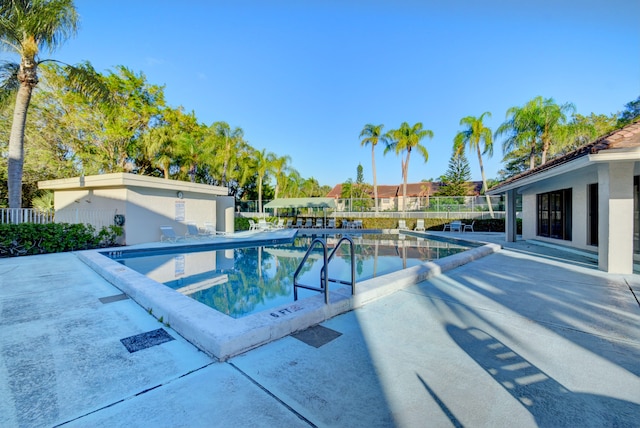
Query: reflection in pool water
[(243, 281)]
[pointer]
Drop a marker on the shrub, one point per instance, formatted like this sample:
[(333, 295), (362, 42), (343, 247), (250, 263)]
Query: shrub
[(29, 239)]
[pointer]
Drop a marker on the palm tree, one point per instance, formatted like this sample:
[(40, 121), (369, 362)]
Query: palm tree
[(474, 133), (534, 125), (372, 134), (405, 139), (280, 170), (521, 131), (26, 28), (551, 117), (264, 164), (229, 139)]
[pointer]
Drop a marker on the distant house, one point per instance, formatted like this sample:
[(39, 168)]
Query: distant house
[(390, 196), (587, 199)]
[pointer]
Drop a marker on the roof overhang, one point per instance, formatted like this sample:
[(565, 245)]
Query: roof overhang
[(608, 156), (122, 180)]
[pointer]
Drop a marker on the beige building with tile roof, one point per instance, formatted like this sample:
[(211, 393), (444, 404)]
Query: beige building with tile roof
[(588, 199)]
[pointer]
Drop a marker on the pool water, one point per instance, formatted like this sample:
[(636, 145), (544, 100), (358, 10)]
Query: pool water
[(243, 281)]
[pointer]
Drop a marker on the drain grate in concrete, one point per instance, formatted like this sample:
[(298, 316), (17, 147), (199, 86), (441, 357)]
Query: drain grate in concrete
[(116, 298), (146, 340), (317, 335)]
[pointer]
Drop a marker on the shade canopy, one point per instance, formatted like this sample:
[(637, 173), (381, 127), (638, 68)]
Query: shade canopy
[(302, 203)]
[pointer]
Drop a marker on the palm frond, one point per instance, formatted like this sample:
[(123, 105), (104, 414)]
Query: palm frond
[(9, 83)]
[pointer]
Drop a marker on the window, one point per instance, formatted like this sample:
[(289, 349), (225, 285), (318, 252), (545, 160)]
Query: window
[(554, 214)]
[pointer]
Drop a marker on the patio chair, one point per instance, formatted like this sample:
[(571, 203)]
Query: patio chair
[(455, 226), (402, 225), (168, 234), (289, 224), (263, 224), (319, 224), (210, 229), (469, 227), (357, 224), (308, 224), (299, 224), (280, 224), (332, 223), (346, 224), (193, 231), (419, 225)]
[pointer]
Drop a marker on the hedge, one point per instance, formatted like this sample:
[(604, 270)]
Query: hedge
[(28, 239)]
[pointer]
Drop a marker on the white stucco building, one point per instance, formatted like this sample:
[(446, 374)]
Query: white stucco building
[(587, 199), (143, 203)]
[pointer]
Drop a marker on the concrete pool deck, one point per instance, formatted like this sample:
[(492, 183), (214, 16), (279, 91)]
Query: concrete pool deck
[(527, 336)]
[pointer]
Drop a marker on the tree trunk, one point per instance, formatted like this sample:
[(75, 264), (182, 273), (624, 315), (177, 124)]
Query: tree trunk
[(484, 182), (260, 195), (375, 185), (16, 145), (405, 173)]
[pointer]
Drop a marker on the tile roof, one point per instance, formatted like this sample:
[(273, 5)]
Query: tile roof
[(625, 138)]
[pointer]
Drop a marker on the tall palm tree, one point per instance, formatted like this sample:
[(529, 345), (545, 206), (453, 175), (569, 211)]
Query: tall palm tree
[(551, 117), (372, 134), (472, 136), (521, 132), (535, 124), (26, 28), (229, 140), (264, 164), (405, 139), (280, 170)]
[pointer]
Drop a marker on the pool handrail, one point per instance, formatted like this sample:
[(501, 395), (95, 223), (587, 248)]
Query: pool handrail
[(324, 286), (324, 271)]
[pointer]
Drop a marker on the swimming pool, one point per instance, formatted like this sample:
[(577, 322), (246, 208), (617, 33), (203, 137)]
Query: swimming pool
[(222, 336), (244, 281)]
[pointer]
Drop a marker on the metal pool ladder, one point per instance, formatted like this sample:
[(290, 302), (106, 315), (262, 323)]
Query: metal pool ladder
[(324, 272)]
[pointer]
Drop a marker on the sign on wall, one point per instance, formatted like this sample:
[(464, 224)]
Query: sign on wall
[(180, 211)]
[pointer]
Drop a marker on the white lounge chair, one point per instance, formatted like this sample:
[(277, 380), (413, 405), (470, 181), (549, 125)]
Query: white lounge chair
[(402, 225), (469, 227), (210, 229), (299, 224), (289, 224), (264, 224), (280, 224), (193, 231), (168, 234), (308, 224), (332, 223), (319, 224), (252, 225), (419, 225)]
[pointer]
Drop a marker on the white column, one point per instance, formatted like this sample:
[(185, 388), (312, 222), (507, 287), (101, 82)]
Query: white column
[(615, 217), (510, 225)]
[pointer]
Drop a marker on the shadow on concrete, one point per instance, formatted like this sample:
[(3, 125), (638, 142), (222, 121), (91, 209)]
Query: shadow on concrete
[(550, 403)]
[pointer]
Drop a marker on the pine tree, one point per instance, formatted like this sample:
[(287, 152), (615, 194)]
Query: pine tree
[(457, 177)]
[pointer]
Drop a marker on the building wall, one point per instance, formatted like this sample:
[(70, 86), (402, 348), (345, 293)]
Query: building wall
[(579, 183), (145, 209)]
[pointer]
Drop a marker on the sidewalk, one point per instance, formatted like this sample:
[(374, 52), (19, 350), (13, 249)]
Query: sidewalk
[(529, 336)]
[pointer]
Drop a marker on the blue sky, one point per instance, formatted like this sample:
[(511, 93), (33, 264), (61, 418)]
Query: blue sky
[(302, 78)]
